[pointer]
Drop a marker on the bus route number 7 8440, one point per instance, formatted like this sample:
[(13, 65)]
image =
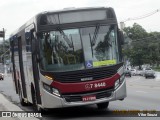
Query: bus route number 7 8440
[(95, 85)]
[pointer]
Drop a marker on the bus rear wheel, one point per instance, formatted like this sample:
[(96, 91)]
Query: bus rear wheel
[(103, 105)]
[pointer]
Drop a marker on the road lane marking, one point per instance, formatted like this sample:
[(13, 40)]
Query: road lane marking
[(141, 91)]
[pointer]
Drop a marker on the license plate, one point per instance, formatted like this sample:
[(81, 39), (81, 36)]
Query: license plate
[(88, 98)]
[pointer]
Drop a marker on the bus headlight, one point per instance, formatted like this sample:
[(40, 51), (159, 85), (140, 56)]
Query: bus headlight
[(55, 92), (47, 87), (51, 90), (117, 84), (119, 81)]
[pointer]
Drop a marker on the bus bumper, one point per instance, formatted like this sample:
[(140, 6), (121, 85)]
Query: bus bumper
[(51, 101)]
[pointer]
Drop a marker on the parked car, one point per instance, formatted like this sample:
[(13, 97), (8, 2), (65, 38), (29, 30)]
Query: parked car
[(128, 73), (140, 72), (133, 72), (1, 76), (149, 73)]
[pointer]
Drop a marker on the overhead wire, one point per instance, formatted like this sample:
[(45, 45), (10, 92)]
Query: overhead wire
[(142, 16)]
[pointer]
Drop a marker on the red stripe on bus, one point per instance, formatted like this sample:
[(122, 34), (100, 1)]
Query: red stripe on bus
[(85, 86)]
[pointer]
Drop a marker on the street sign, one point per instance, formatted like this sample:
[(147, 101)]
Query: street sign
[(2, 34)]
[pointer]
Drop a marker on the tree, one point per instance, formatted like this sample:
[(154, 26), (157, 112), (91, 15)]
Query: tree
[(145, 47), (136, 32)]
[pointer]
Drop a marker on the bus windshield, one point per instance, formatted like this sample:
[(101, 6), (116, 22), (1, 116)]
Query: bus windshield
[(80, 48)]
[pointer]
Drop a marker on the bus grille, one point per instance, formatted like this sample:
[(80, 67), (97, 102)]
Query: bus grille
[(94, 74), (78, 97)]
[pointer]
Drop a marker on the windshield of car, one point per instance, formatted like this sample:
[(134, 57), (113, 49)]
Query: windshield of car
[(80, 48)]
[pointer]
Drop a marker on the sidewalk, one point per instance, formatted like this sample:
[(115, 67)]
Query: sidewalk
[(6, 105)]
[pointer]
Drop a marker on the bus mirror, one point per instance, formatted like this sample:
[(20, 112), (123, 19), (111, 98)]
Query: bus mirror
[(121, 37)]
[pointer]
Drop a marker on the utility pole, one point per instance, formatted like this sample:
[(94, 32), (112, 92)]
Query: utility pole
[(122, 25), (2, 35), (4, 61), (3, 40), (3, 45)]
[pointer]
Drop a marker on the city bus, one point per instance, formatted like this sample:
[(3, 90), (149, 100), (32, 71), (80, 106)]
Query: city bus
[(69, 57)]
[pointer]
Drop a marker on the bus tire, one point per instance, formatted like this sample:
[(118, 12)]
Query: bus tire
[(103, 105)]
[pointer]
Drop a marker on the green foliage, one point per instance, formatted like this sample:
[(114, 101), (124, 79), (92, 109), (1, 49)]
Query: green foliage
[(144, 48), (4, 46), (156, 69), (136, 32)]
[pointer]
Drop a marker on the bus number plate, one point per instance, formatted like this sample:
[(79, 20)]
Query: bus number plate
[(88, 98)]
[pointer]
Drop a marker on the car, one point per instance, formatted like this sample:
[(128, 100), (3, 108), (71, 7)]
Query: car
[(133, 72), (140, 72), (128, 73), (149, 73), (1, 76)]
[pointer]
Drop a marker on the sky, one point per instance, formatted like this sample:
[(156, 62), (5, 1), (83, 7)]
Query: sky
[(14, 13)]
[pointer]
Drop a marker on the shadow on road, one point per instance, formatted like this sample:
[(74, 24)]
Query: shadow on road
[(72, 112), (76, 112)]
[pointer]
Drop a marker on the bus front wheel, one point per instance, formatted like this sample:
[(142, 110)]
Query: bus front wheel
[(103, 105)]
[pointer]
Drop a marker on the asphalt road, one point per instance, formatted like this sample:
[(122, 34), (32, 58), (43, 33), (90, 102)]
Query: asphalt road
[(142, 94)]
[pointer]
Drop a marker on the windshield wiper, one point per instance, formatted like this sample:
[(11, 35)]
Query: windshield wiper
[(107, 36), (65, 37), (91, 44), (93, 41)]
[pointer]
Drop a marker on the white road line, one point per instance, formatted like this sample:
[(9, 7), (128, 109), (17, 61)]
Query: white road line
[(141, 91)]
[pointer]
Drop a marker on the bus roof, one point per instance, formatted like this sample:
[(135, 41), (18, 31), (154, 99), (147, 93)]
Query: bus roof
[(65, 10), (70, 9)]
